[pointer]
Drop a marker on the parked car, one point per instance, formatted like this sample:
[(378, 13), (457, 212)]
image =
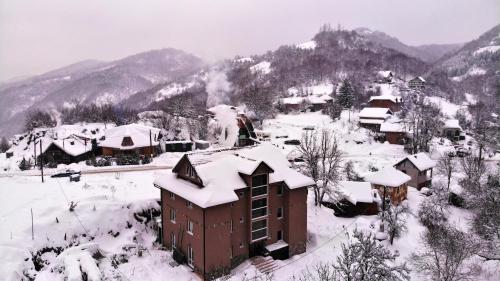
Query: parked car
[(65, 173), (462, 152), (292, 142), (308, 128)]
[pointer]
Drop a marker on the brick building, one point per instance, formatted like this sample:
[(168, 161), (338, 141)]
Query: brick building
[(222, 207)]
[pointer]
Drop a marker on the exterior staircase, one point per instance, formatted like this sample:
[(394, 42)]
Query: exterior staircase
[(264, 264)]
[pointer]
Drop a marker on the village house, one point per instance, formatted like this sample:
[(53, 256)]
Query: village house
[(246, 131), (292, 104), (391, 184), (452, 130), (222, 207), (417, 83), (372, 117), (130, 139), (386, 101), (178, 146), (385, 76), (419, 168), (394, 133), (358, 198), (66, 151)]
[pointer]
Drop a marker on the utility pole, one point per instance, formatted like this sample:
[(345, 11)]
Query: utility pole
[(32, 230), (383, 210), (41, 159), (34, 146), (150, 144)]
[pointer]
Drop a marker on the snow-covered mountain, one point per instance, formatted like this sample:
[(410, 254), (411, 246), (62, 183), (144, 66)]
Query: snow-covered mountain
[(428, 53), (92, 81), (475, 66)]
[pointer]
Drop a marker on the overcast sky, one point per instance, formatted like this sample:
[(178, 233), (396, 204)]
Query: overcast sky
[(37, 36)]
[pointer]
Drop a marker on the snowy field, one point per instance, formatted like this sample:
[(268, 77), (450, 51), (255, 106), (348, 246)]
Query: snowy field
[(115, 213)]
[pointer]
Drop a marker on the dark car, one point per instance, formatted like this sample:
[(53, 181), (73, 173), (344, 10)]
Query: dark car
[(292, 142), (65, 173)]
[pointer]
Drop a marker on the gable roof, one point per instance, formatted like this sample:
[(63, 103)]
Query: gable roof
[(421, 161), (388, 176), (388, 127), (452, 124), (392, 98), (420, 78), (138, 133), (357, 191), (375, 112), (220, 173), (384, 73)]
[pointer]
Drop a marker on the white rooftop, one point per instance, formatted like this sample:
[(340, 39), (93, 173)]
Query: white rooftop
[(421, 161), (139, 134), (357, 191), (389, 176), (293, 100), (375, 112), (452, 124), (392, 98), (384, 73), (388, 127), (220, 173)]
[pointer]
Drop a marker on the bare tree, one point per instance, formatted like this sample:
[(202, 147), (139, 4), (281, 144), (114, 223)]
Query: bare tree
[(366, 260), (432, 211), (446, 254), (474, 168), (38, 119), (421, 120), (322, 158), (446, 166), (395, 218)]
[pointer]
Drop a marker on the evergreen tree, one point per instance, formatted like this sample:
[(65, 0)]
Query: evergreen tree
[(24, 165), (4, 145), (346, 96)]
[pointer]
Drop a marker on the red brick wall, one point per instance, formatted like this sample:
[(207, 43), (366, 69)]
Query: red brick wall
[(394, 138), (296, 220), (385, 104)]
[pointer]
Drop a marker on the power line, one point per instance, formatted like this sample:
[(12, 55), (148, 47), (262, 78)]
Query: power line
[(85, 229)]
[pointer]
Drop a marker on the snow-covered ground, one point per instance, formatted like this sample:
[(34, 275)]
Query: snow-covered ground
[(112, 209)]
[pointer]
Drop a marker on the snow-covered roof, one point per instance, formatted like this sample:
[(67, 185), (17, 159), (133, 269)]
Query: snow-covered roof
[(388, 127), (421, 161), (452, 124), (388, 176), (375, 112), (370, 121), (220, 173), (384, 73), (292, 100), (139, 134), (73, 146), (419, 78), (178, 141), (357, 191), (276, 246), (315, 100), (392, 98)]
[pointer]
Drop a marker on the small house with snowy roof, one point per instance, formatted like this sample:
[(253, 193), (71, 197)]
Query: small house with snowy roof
[(394, 132), (130, 139), (385, 76), (390, 183), (372, 117), (221, 207), (452, 130), (417, 83), (65, 151), (357, 198), (386, 101), (419, 167)]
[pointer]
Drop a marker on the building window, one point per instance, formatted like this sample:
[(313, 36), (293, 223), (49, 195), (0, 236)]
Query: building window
[(241, 245), (279, 213), (259, 185), (241, 193), (280, 189), (190, 255), (280, 235), (172, 195), (231, 252), (189, 204), (172, 240), (231, 225), (259, 229), (191, 171), (190, 226), (172, 215), (259, 208)]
